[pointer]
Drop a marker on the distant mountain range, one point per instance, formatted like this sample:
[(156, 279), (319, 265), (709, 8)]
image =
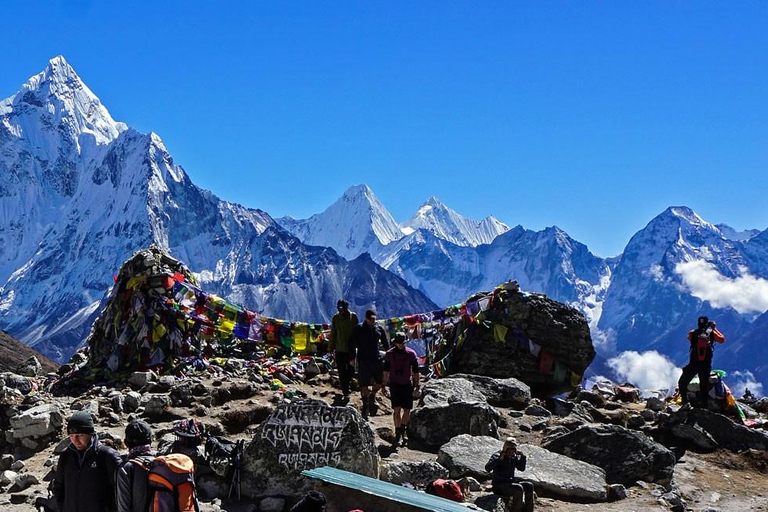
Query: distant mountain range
[(81, 192), (677, 268)]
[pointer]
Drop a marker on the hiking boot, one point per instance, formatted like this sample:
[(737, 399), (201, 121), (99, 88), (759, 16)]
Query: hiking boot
[(404, 434), (364, 409), (398, 436), (373, 407)]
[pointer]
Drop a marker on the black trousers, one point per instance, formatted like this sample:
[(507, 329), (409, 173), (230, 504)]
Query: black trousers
[(702, 369), (346, 372), (521, 494)]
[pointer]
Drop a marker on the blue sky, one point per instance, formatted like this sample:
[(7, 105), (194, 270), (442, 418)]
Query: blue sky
[(590, 116)]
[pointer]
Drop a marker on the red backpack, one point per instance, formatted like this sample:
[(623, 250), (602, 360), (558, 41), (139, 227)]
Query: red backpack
[(171, 483), (447, 489)]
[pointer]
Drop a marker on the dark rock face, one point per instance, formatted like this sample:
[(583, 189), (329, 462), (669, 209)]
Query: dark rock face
[(436, 424), (626, 456), (722, 430), (451, 407), (559, 330), (306, 434), (500, 392), (694, 435)]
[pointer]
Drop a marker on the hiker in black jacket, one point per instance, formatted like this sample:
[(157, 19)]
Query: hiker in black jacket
[(367, 340), (502, 466), (132, 488), (85, 474)]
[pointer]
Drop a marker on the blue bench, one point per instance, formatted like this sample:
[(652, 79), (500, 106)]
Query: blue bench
[(417, 500)]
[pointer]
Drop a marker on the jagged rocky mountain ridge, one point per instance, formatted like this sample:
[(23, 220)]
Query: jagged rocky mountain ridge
[(82, 192)]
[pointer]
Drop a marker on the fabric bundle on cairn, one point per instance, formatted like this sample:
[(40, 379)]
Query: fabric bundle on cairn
[(156, 315)]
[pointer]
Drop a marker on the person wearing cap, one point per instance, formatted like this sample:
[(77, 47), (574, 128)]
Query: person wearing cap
[(85, 475), (368, 339), (401, 372), (502, 467), (342, 325), (132, 492)]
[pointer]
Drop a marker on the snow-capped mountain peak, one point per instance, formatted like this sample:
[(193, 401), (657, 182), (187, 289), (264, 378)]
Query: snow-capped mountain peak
[(445, 223), (57, 102), (358, 222)]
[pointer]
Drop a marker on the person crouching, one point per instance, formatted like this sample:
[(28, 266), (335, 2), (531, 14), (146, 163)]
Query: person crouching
[(502, 466)]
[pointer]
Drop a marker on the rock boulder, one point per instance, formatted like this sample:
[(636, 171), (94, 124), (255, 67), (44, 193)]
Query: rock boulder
[(466, 455), (37, 422), (442, 391), (528, 320), (306, 434), (500, 392), (416, 473), (626, 455), (436, 424), (722, 429), (552, 474)]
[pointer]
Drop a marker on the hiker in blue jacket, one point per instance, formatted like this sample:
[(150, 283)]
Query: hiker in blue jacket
[(502, 467)]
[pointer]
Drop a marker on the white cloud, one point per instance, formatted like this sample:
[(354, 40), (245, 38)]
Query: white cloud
[(604, 341), (745, 294), (647, 370), (656, 272), (738, 382)]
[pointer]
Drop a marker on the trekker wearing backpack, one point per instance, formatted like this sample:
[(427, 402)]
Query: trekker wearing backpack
[(85, 474), (502, 467), (132, 476), (702, 340)]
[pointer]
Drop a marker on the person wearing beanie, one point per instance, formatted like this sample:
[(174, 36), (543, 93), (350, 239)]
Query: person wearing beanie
[(132, 492), (85, 475)]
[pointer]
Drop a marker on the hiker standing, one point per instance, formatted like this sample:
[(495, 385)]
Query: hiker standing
[(132, 489), (502, 466), (702, 340), (367, 339), (85, 474), (342, 325), (401, 372)]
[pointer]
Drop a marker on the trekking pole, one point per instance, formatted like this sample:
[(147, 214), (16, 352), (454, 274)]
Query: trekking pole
[(241, 443), (236, 472)]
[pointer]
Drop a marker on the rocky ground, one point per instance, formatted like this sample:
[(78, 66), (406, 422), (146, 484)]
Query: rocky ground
[(235, 403)]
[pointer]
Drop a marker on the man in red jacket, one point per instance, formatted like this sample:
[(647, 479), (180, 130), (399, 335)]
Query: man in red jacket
[(702, 340), (401, 372)]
